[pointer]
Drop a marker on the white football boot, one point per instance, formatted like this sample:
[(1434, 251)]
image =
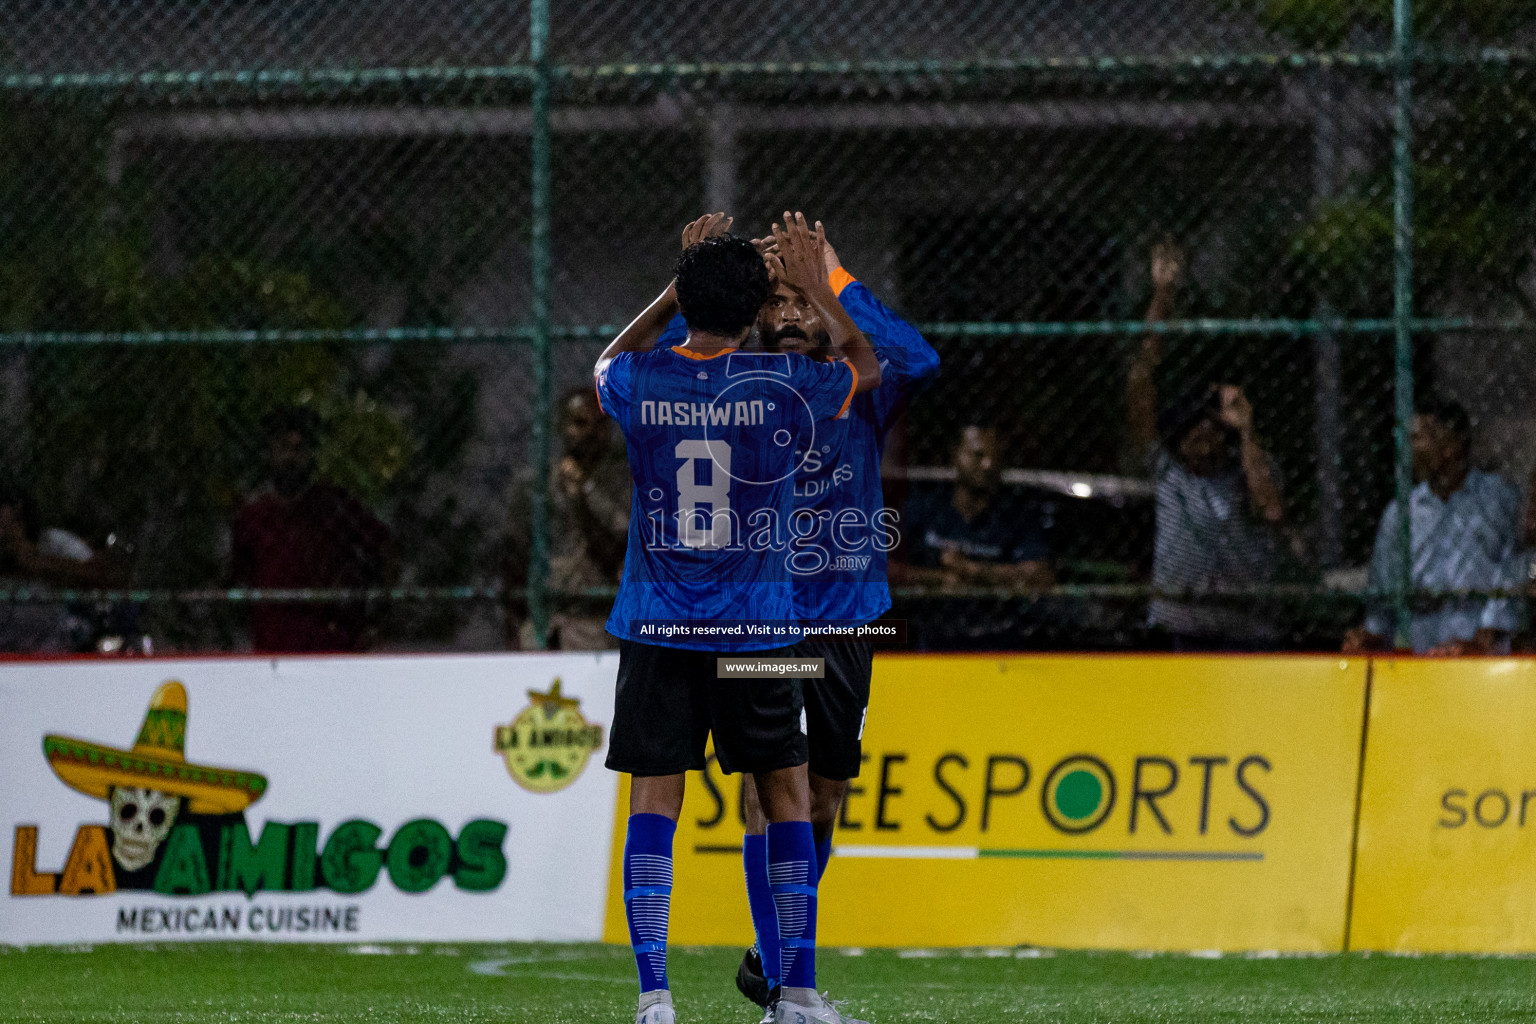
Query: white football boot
[(806, 1006), (656, 1008)]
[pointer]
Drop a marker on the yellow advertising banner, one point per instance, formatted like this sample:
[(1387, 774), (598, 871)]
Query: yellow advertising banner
[(1174, 803), (1447, 838)]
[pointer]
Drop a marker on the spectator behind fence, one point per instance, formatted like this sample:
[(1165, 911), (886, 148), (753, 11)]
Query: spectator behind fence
[(1464, 528), (589, 495), (295, 533), (34, 555), (1218, 496), (967, 535)]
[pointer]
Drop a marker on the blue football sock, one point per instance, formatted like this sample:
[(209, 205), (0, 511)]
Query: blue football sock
[(648, 894), (823, 855), (792, 877), (765, 917)]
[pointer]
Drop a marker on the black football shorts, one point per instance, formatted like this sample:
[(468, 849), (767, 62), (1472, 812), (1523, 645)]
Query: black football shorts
[(835, 705), (669, 701)]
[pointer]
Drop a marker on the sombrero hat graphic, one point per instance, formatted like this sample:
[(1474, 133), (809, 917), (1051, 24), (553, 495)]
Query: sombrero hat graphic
[(157, 761)]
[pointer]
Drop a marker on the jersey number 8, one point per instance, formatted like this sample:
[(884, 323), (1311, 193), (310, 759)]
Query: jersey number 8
[(707, 531)]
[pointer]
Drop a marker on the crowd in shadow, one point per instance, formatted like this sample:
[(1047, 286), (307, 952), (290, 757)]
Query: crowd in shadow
[(982, 564)]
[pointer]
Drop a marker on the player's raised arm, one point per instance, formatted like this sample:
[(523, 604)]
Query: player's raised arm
[(906, 358), (643, 330), (800, 259)]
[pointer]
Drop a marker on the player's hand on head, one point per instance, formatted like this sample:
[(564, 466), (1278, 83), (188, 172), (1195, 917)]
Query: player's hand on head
[(800, 252), (775, 266), (768, 249), (707, 226)]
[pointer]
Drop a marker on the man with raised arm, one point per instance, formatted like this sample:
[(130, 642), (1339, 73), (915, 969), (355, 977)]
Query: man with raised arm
[(1219, 498), (715, 437)]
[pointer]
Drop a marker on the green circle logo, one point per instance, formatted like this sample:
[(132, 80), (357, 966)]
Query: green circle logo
[(1078, 794)]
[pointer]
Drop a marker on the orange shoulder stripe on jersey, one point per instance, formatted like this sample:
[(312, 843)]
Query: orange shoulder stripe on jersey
[(691, 354), (840, 279), (599, 392), (849, 400)]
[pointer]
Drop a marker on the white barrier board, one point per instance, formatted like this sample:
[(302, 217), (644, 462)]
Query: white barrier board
[(319, 799)]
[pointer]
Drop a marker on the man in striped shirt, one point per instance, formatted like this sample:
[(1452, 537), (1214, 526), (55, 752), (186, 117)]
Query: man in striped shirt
[(1218, 497)]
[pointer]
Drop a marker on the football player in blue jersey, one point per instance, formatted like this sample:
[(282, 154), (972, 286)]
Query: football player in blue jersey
[(843, 584), (716, 438), (840, 581)]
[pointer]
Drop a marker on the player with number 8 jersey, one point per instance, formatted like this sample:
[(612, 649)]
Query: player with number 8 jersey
[(715, 438), (714, 445)]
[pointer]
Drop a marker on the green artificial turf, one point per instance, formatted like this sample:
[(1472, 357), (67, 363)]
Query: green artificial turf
[(510, 984)]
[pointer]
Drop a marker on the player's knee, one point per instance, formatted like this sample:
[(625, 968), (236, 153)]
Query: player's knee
[(751, 811), (826, 801), (657, 794)]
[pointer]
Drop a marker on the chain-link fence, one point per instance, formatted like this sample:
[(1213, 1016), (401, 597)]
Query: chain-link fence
[(299, 302)]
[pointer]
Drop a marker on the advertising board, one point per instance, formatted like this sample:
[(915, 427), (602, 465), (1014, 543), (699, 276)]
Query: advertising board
[(1103, 802), (306, 799), (1447, 837)]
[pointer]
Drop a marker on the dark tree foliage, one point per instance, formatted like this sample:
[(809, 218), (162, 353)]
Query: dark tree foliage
[(159, 443)]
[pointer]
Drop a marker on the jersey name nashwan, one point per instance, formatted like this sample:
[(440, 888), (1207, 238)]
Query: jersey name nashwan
[(700, 414)]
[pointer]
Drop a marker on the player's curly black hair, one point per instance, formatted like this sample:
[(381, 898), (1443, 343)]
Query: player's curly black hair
[(721, 284)]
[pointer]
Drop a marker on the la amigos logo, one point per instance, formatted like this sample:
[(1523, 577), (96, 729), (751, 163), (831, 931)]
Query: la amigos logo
[(549, 743), (178, 828)]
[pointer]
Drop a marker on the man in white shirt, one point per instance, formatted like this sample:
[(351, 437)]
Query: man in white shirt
[(1464, 525)]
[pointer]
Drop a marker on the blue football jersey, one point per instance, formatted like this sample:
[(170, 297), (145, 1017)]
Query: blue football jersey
[(842, 575), (840, 569), (715, 445)]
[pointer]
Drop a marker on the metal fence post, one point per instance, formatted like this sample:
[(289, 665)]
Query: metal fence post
[(1402, 299), (539, 258), (1327, 348)]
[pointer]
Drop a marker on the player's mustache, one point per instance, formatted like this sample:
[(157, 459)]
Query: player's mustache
[(791, 331)]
